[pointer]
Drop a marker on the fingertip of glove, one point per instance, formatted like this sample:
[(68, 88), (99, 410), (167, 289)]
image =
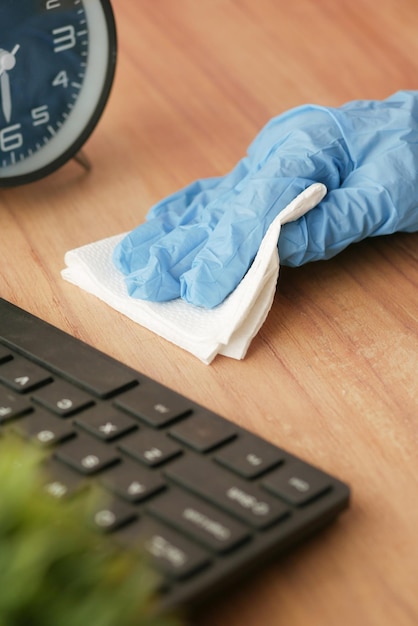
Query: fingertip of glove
[(152, 290), (152, 283), (200, 290), (125, 254), (118, 257)]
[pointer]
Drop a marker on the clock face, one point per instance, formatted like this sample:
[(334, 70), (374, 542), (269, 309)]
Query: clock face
[(57, 61)]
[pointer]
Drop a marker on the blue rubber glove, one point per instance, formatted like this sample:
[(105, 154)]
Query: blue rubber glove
[(198, 243)]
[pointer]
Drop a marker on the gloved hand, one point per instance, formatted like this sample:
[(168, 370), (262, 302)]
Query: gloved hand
[(199, 242)]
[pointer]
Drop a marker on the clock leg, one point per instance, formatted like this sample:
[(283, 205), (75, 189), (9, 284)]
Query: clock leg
[(82, 159)]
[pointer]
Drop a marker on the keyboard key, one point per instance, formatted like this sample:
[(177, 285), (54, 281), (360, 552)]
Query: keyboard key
[(151, 448), (43, 428), (155, 405), (214, 529), (106, 422), (113, 515), (250, 456), (204, 432), (171, 553), (87, 455), (12, 406), (63, 398), (132, 481), (298, 483), (22, 375), (61, 481), (241, 498)]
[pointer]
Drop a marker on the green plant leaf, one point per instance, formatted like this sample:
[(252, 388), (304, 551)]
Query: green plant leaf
[(55, 570)]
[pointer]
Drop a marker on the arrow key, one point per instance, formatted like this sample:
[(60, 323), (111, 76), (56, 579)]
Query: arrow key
[(22, 375)]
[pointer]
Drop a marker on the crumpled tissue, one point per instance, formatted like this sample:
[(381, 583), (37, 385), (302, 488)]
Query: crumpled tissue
[(229, 328)]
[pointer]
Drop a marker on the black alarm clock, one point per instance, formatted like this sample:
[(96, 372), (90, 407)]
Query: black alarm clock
[(57, 65)]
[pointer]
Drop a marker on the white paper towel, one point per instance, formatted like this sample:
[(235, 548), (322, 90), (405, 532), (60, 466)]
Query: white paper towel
[(228, 328)]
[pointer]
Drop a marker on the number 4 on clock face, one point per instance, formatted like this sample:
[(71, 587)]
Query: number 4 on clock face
[(57, 63)]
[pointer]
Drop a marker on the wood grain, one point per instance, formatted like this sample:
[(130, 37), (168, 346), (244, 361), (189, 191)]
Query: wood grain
[(332, 374)]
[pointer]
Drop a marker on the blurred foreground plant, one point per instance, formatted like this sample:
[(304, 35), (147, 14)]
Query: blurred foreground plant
[(55, 570)]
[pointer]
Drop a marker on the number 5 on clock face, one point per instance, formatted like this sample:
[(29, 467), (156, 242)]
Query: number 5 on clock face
[(57, 64)]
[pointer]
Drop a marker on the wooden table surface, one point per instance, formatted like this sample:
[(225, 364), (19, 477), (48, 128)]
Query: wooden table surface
[(332, 375)]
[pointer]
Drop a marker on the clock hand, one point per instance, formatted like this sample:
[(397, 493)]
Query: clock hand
[(6, 100), (7, 62)]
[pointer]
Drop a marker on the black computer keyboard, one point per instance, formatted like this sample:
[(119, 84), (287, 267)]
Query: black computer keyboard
[(209, 500)]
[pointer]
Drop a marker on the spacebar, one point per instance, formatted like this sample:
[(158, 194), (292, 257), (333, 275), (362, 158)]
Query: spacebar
[(62, 353)]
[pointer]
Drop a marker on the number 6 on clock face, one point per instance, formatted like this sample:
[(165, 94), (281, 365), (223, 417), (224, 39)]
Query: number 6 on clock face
[(57, 64)]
